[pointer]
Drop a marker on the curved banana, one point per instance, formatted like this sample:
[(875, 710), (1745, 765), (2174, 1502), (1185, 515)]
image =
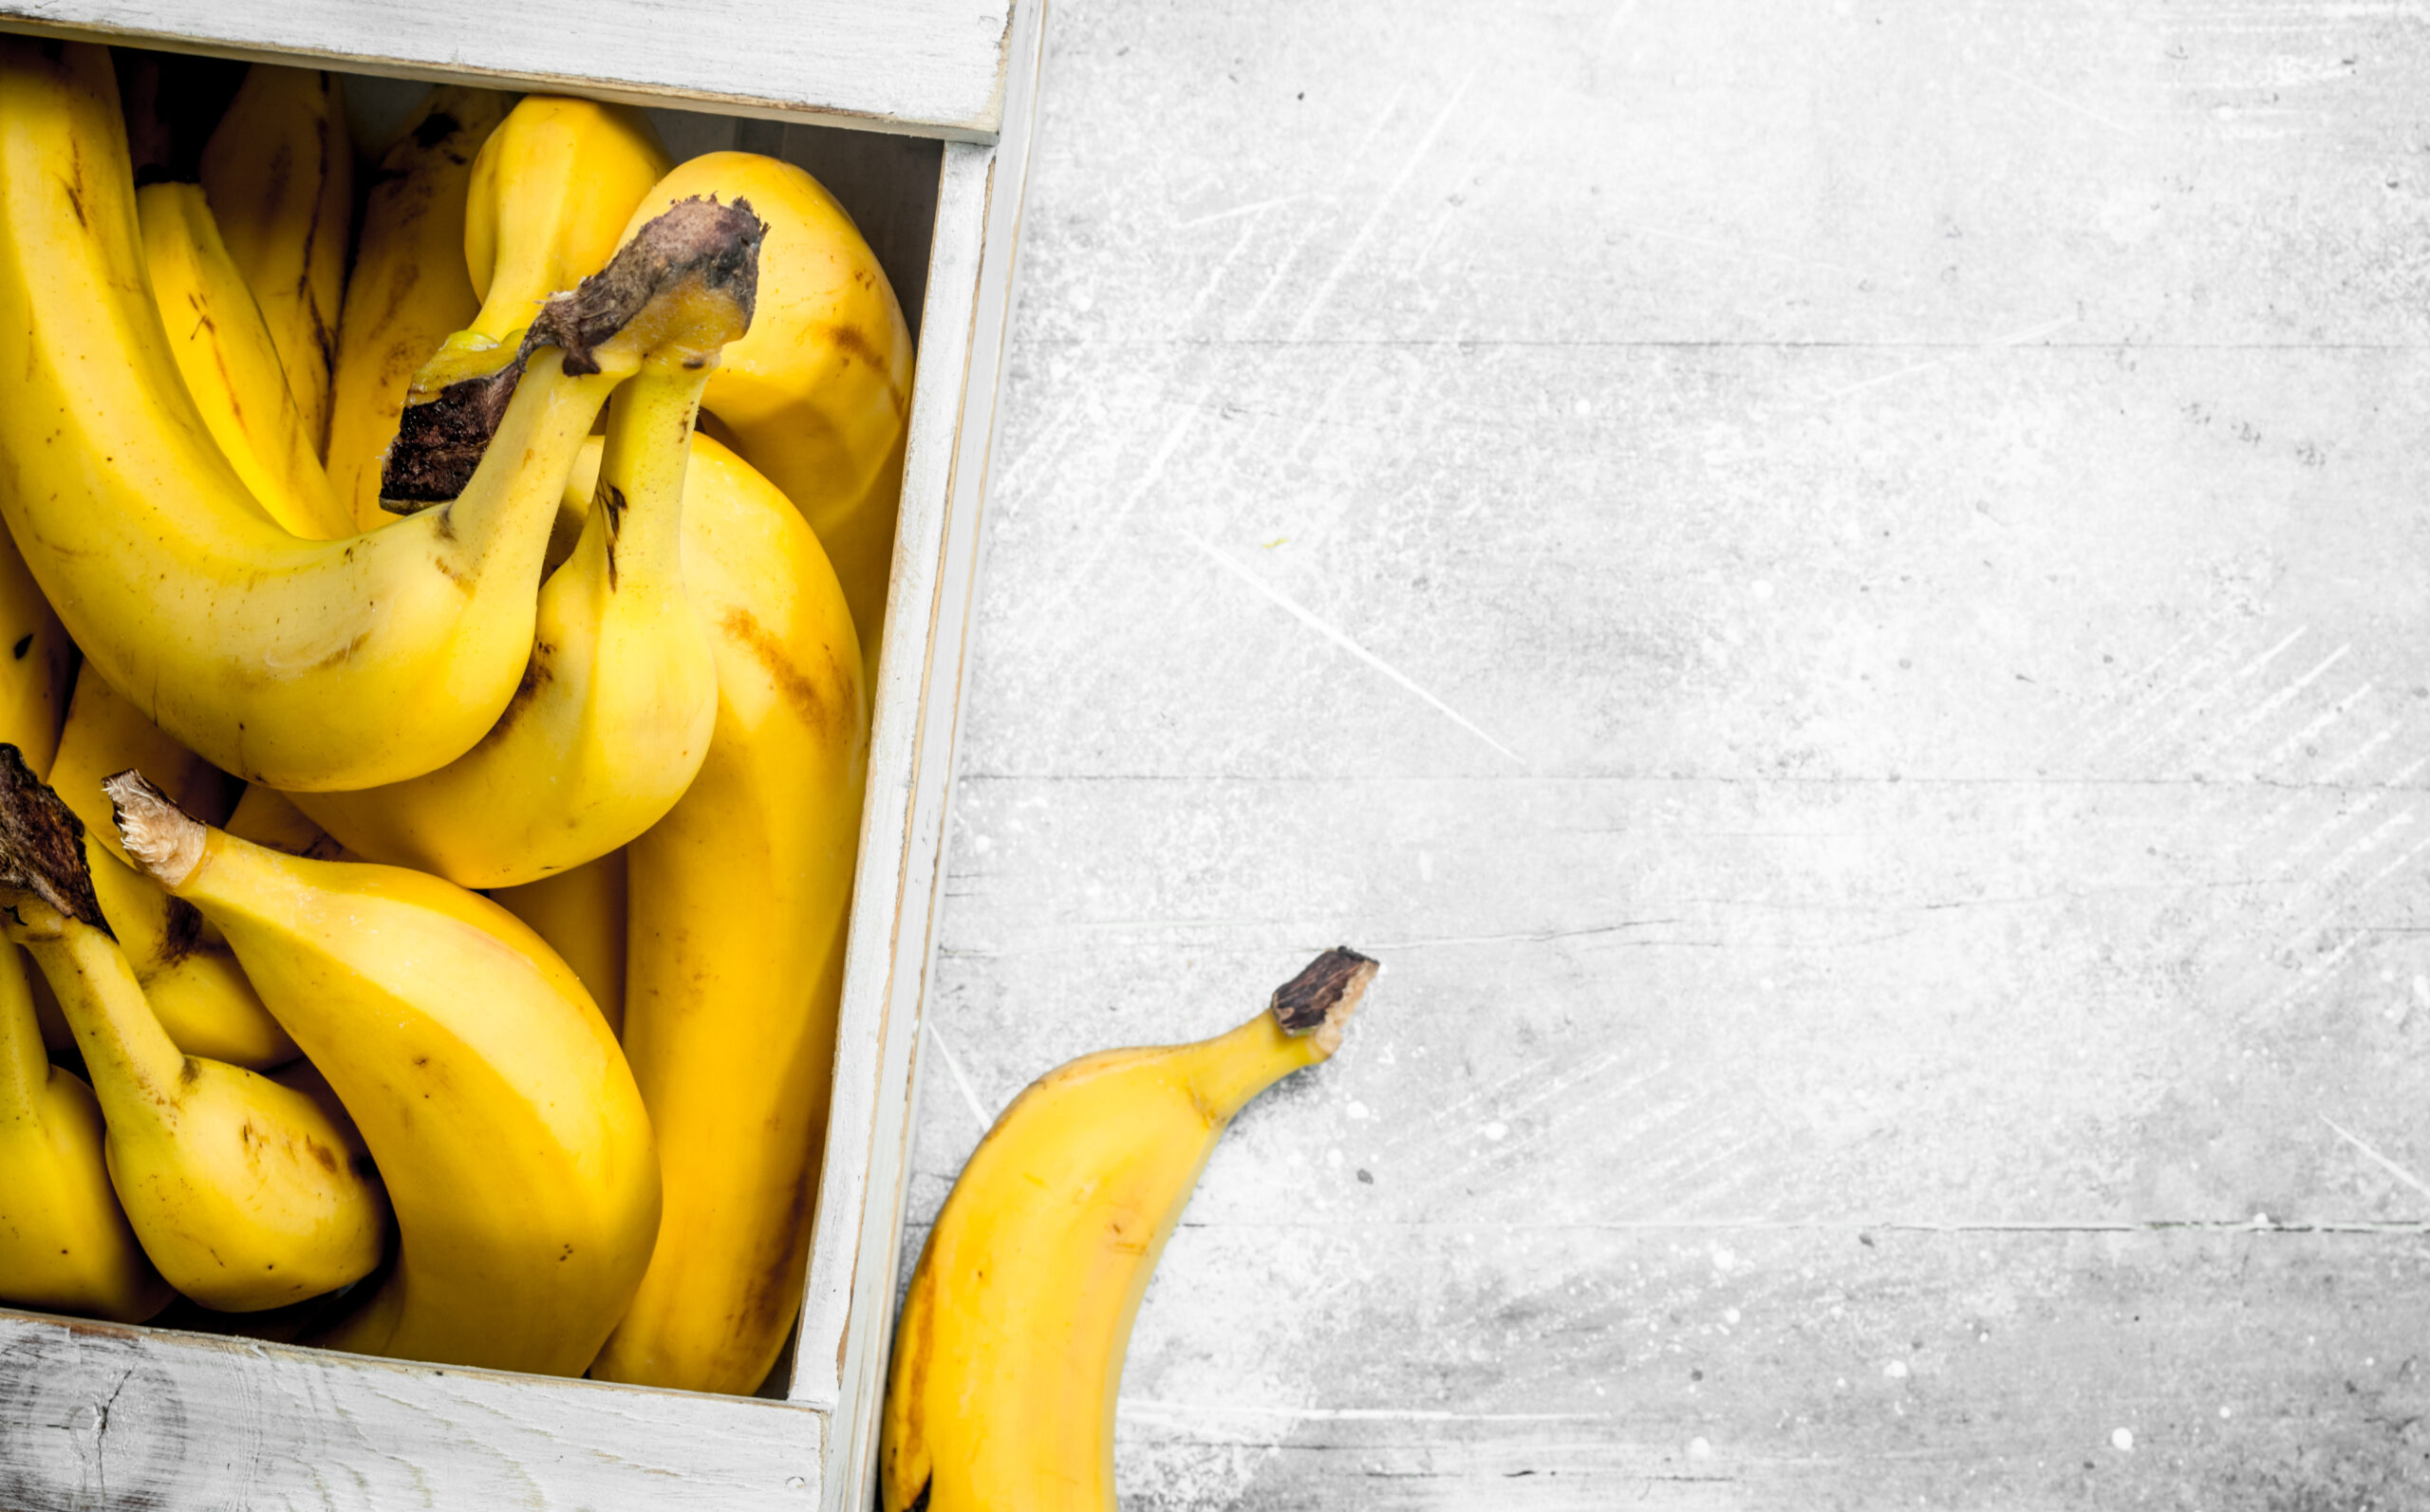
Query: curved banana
[(616, 712), (817, 394), (1008, 1353), (186, 969), (515, 1149), (408, 291), (735, 942), (244, 1193), (306, 664), (222, 348), (551, 197), (280, 173), (65, 1243), (580, 912)]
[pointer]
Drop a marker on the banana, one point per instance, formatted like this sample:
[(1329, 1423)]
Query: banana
[(616, 712), (306, 664), (550, 196), (515, 1147), (817, 395), (65, 1245), (37, 663), (735, 953), (222, 348), (243, 1192), (1008, 1353), (580, 912), (280, 173), (408, 291), (186, 970)]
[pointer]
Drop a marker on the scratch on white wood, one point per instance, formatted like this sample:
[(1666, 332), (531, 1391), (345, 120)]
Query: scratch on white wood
[(2376, 1158), (960, 1078), (2014, 338), (1392, 191), (1297, 612)]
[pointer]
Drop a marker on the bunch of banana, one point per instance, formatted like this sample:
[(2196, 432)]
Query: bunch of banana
[(360, 548), (1008, 1354), (245, 1193)]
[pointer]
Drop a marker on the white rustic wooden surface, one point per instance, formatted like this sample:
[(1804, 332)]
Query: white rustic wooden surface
[(932, 68), (1842, 593)]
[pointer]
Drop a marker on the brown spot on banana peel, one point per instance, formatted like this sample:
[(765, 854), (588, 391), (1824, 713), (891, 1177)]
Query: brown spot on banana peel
[(41, 843), (815, 704), (698, 247), (852, 340)]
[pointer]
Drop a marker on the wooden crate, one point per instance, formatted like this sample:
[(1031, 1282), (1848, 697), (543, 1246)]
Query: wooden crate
[(918, 115)]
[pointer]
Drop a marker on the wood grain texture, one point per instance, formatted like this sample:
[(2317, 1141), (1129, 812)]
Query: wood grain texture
[(1839, 593), (95, 1418), (930, 67)]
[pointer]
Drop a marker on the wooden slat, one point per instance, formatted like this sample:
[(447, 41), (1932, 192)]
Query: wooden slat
[(96, 1416), (926, 68), (846, 1322)]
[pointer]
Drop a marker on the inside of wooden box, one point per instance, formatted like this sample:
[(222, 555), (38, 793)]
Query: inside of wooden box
[(886, 182)]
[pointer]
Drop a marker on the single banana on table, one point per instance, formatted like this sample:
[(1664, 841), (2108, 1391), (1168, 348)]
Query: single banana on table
[(513, 1145), (223, 350), (280, 175), (736, 907), (1008, 1354), (817, 394), (616, 710), (306, 664), (408, 291), (65, 1245), (186, 970), (245, 1193)]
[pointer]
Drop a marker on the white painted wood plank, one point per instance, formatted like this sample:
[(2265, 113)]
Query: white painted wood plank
[(97, 1417), (930, 68), (847, 1321)]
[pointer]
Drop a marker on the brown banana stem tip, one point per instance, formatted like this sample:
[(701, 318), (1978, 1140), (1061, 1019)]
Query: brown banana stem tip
[(697, 245), (1323, 996), (42, 843), (163, 839)]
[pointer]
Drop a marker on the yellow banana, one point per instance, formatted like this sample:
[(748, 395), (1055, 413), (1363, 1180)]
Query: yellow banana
[(817, 395), (550, 194), (1008, 1353), (614, 715), (222, 348), (580, 912), (306, 664), (408, 290), (734, 951), (65, 1243), (186, 970), (280, 173), (37, 663), (515, 1149), (244, 1193)]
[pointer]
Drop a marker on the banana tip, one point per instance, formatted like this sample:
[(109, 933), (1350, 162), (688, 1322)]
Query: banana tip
[(1322, 997)]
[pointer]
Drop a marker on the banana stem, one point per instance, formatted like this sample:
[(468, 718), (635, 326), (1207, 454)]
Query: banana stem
[(136, 1066), (24, 1069), (1301, 1026), (637, 508)]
